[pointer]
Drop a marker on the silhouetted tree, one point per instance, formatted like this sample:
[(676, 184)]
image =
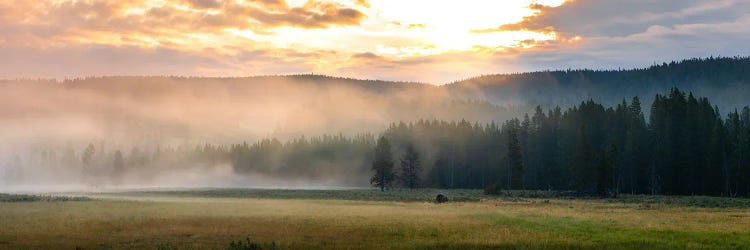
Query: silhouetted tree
[(411, 167), (382, 165), (515, 157), (119, 163), (88, 154)]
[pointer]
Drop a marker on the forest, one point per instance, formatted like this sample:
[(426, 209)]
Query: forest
[(684, 147)]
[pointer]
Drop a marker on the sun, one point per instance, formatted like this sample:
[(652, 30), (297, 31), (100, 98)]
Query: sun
[(418, 28), (449, 25)]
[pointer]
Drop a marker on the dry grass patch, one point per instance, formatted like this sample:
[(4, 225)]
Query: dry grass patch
[(195, 222)]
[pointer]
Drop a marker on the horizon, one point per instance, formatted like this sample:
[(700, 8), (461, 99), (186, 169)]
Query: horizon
[(634, 68)]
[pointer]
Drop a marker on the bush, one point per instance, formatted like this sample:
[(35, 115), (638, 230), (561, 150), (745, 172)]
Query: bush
[(248, 244), (492, 189)]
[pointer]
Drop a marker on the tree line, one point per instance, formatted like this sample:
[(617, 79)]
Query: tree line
[(685, 147), (99, 163)]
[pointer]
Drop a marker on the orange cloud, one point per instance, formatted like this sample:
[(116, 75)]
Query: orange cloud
[(533, 23), (255, 36), (363, 3), (310, 15), (46, 19)]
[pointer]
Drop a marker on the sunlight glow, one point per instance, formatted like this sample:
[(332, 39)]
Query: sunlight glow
[(324, 35)]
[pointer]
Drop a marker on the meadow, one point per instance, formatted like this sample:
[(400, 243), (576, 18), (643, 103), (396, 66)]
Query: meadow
[(366, 219)]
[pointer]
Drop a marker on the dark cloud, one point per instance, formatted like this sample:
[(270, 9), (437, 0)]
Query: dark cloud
[(310, 15), (204, 3), (365, 55), (654, 45), (622, 18), (45, 20)]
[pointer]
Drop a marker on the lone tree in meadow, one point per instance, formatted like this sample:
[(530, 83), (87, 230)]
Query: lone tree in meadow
[(410, 167), (382, 165)]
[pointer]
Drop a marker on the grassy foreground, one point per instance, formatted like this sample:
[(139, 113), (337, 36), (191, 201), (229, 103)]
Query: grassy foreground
[(194, 220)]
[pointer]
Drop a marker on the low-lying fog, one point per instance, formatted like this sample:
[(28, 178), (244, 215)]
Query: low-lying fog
[(67, 135)]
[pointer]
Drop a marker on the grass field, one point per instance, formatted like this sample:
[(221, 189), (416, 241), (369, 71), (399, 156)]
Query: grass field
[(293, 219)]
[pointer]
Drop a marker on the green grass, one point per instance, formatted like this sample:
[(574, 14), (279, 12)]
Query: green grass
[(690, 201), (455, 195), (294, 219), (586, 233)]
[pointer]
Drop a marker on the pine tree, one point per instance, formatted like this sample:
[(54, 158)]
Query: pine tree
[(118, 165), (605, 171), (382, 165), (410, 167), (515, 158), (583, 161), (88, 154)]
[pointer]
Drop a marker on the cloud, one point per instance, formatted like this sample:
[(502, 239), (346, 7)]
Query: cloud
[(621, 18), (354, 38), (103, 60), (656, 44), (204, 3), (365, 55), (110, 21), (363, 3), (310, 15)]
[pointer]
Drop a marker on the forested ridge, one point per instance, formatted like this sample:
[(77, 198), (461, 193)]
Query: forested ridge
[(582, 132), (686, 147), (725, 80)]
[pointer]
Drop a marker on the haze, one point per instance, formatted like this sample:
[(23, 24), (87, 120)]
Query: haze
[(142, 76)]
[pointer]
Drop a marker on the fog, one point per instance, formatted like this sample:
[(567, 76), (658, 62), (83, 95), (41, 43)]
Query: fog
[(282, 131), (47, 126)]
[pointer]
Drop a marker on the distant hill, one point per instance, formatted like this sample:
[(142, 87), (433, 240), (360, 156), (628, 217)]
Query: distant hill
[(725, 81), (142, 109)]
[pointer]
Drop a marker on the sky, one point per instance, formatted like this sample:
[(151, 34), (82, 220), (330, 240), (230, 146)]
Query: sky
[(407, 40)]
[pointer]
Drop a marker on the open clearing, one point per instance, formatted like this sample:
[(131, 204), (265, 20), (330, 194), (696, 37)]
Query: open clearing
[(308, 219)]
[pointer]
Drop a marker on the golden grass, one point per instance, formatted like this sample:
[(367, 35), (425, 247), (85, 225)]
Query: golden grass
[(174, 222)]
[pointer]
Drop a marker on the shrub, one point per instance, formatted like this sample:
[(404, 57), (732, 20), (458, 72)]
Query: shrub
[(248, 244)]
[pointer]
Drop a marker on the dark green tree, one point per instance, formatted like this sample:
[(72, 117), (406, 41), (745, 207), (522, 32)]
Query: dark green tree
[(382, 165), (515, 157), (411, 167), (605, 171)]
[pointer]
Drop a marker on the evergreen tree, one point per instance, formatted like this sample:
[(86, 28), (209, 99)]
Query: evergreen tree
[(88, 154), (583, 162), (382, 165), (118, 166), (605, 168), (515, 157), (410, 167)]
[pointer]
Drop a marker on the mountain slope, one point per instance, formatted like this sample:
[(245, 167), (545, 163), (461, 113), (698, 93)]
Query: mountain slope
[(726, 81)]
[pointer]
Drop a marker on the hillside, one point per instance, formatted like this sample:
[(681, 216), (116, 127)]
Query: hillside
[(724, 80), (166, 109)]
